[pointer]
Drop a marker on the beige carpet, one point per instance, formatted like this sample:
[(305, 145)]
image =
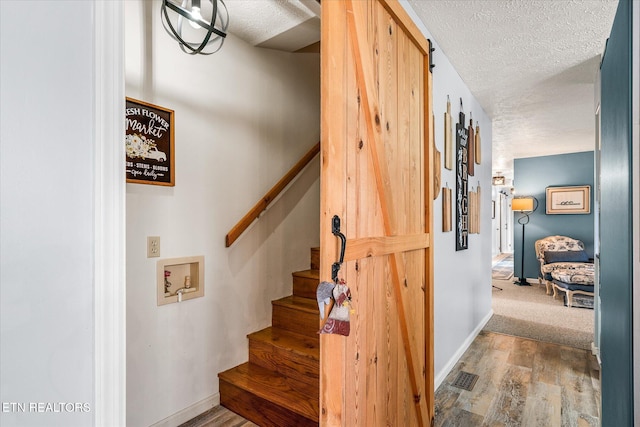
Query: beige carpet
[(527, 311)]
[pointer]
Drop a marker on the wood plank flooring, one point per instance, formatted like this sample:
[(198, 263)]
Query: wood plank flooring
[(218, 417), (521, 382)]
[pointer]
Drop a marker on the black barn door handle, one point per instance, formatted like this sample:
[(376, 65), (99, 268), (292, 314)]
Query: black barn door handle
[(335, 229)]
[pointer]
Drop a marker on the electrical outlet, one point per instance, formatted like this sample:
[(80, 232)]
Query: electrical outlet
[(153, 246)]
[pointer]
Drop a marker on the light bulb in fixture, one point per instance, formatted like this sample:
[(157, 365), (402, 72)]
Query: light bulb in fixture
[(498, 179), (195, 13)]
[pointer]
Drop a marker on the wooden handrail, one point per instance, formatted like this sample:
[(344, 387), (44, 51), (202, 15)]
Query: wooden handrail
[(255, 211)]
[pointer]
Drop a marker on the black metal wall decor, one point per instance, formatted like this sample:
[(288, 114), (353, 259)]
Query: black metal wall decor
[(462, 178)]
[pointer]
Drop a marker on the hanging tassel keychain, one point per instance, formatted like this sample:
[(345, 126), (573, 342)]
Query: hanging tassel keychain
[(338, 299), (335, 296)]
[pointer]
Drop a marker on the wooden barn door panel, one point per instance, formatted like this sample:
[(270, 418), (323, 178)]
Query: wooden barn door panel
[(376, 176)]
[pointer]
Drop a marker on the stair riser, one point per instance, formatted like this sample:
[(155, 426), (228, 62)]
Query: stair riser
[(315, 258), (258, 410), (291, 364), (290, 319), (305, 287)]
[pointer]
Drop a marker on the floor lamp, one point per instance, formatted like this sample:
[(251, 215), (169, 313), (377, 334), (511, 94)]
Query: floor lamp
[(523, 205)]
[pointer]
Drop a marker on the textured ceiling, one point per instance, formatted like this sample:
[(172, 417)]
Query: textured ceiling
[(530, 63), (278, 24)]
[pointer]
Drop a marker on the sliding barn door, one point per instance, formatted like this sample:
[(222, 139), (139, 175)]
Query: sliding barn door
[(377, 177)]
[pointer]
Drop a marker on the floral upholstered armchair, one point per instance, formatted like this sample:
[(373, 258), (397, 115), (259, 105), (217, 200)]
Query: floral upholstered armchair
[(564, 266)]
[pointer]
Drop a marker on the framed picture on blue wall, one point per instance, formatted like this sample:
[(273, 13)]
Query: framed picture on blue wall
[(569, 200)]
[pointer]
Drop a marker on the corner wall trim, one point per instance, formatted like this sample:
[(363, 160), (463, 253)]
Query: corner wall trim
[(109, 191), (440, 376)]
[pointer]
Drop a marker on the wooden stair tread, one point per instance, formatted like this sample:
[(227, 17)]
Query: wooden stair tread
[(290, 341), (309, 274), (300, 398), (306, 305)]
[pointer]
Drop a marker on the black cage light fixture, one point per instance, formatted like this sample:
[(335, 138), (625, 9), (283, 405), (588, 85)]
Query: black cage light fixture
[(202, 18)]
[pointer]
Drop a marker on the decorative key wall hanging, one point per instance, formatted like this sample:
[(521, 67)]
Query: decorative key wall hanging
[(474, 210), (437, 163), (477, 208), (471, 210), (446, 209), (448, 150), (478, 145)]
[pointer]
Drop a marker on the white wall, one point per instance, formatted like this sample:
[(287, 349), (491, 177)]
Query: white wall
[(243, 117), (46, 212), (463, 278)]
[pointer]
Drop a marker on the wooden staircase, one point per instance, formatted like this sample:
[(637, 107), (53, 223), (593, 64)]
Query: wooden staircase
[(279, 385)]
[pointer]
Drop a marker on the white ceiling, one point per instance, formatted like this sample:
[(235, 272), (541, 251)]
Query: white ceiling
[(530, 63)]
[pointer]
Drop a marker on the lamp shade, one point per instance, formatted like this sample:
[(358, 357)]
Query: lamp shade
[(522, 204)]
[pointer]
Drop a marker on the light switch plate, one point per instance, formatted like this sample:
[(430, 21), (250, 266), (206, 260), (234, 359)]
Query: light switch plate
[(153, 246)]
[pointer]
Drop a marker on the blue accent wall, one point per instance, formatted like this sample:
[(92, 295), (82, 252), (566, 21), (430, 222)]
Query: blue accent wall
[(616, 225), (531, 178)]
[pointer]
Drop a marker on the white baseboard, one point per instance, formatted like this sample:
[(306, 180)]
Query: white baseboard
[(440, 376), (189, 412)]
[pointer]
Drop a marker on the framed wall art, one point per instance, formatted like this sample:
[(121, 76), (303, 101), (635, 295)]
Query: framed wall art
[(569, 200), (149, 143)]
